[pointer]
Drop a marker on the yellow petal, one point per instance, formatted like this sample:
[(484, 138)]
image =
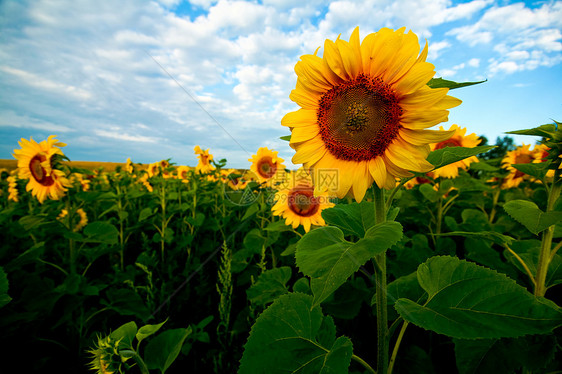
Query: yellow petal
[(333, 59), (309, 152), (304, 133), (377, 169), (301, 117), (416, 78), (424, 97), (421, 137)]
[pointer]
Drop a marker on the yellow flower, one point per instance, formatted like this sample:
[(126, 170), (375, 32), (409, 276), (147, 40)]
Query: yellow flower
[(205, 158), (144, 181), (129, 166), (298, 204), (13, 193), (36, 162), (365, 107), (266, 164), (183, 173), (457, 140), (521, 155), (153, 169), (83, 219)]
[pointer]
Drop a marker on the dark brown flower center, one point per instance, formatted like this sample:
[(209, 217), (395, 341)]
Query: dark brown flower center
[(448, 143), (359, 119), (38, 171), (266, 167), (302, 201)]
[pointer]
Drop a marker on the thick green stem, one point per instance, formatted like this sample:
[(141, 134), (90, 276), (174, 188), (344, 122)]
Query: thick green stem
[(381, 297), (439, 219), (546, 243)]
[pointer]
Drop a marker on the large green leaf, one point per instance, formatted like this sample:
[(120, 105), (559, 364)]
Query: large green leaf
[(125, 334), (292, 336), (147, 330), (4, 297), (469, 301), (163, 349), (271, 284), (529, 215), (449, 155), (353, 219), (444, 83), (325, 256)]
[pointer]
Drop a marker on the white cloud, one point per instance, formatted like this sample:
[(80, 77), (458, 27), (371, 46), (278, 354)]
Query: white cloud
[(474, 62), (115, 134)]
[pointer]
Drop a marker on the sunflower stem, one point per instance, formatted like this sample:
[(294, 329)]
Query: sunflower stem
[(381, 297), (546, 243)]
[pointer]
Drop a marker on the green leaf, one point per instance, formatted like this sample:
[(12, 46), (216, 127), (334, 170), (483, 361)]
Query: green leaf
[(286, 138), (292, 336), (491, 356), (537, 170), (529, 215), (30, 255), (126, 302), (353, 219), (125, 334), (101, 232), (145, 213), (147, 330), (469, 301), (429, 193), (449, 155), (4, 297), (252, 209), (546, 131), (488, 235), (443, 83), (270, 285), (162, 350), (278, 226), (406, 286), (483, 166), (324, 255)]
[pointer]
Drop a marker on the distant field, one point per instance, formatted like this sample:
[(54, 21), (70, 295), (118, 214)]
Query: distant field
[(90, 165)]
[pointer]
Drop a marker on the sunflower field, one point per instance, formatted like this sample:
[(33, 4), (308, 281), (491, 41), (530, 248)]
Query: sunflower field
[(395, 248)]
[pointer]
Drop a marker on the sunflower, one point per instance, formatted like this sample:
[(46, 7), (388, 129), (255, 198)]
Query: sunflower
[(457, 140), (419, 180), (36, 162), (153, 169), (182, 173), (298, 204), (205, 158), (144, 181), (365, 107), (13, 193), (521, 155), (83, 219), (129, 168), (266, 164)]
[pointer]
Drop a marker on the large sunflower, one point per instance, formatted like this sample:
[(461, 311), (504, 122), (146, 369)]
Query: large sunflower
[(365, 107), (36, 162), (459, 139), (298, 204), (205, 158), (266, 164)]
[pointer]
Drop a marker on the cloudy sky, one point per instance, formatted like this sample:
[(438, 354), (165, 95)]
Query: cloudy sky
[(151, 79)]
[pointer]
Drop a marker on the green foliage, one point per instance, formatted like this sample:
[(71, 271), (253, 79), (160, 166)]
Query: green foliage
[(292, 335), (270, 285), (468, 301), (163, 350), (443, 83), (328, 259), (529, 215), (4, 297), (448, 155)]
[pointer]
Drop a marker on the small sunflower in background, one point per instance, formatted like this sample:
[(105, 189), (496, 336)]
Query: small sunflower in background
[(204, 165), (266, 164), (365, 107), (458, 139), (38, 162), (298, 204), (520, 155), (153, 169), (182, 173), (129, 168), (79, 224), (13, 193)]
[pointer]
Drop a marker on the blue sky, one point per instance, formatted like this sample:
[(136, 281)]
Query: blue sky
[(95, 73)]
